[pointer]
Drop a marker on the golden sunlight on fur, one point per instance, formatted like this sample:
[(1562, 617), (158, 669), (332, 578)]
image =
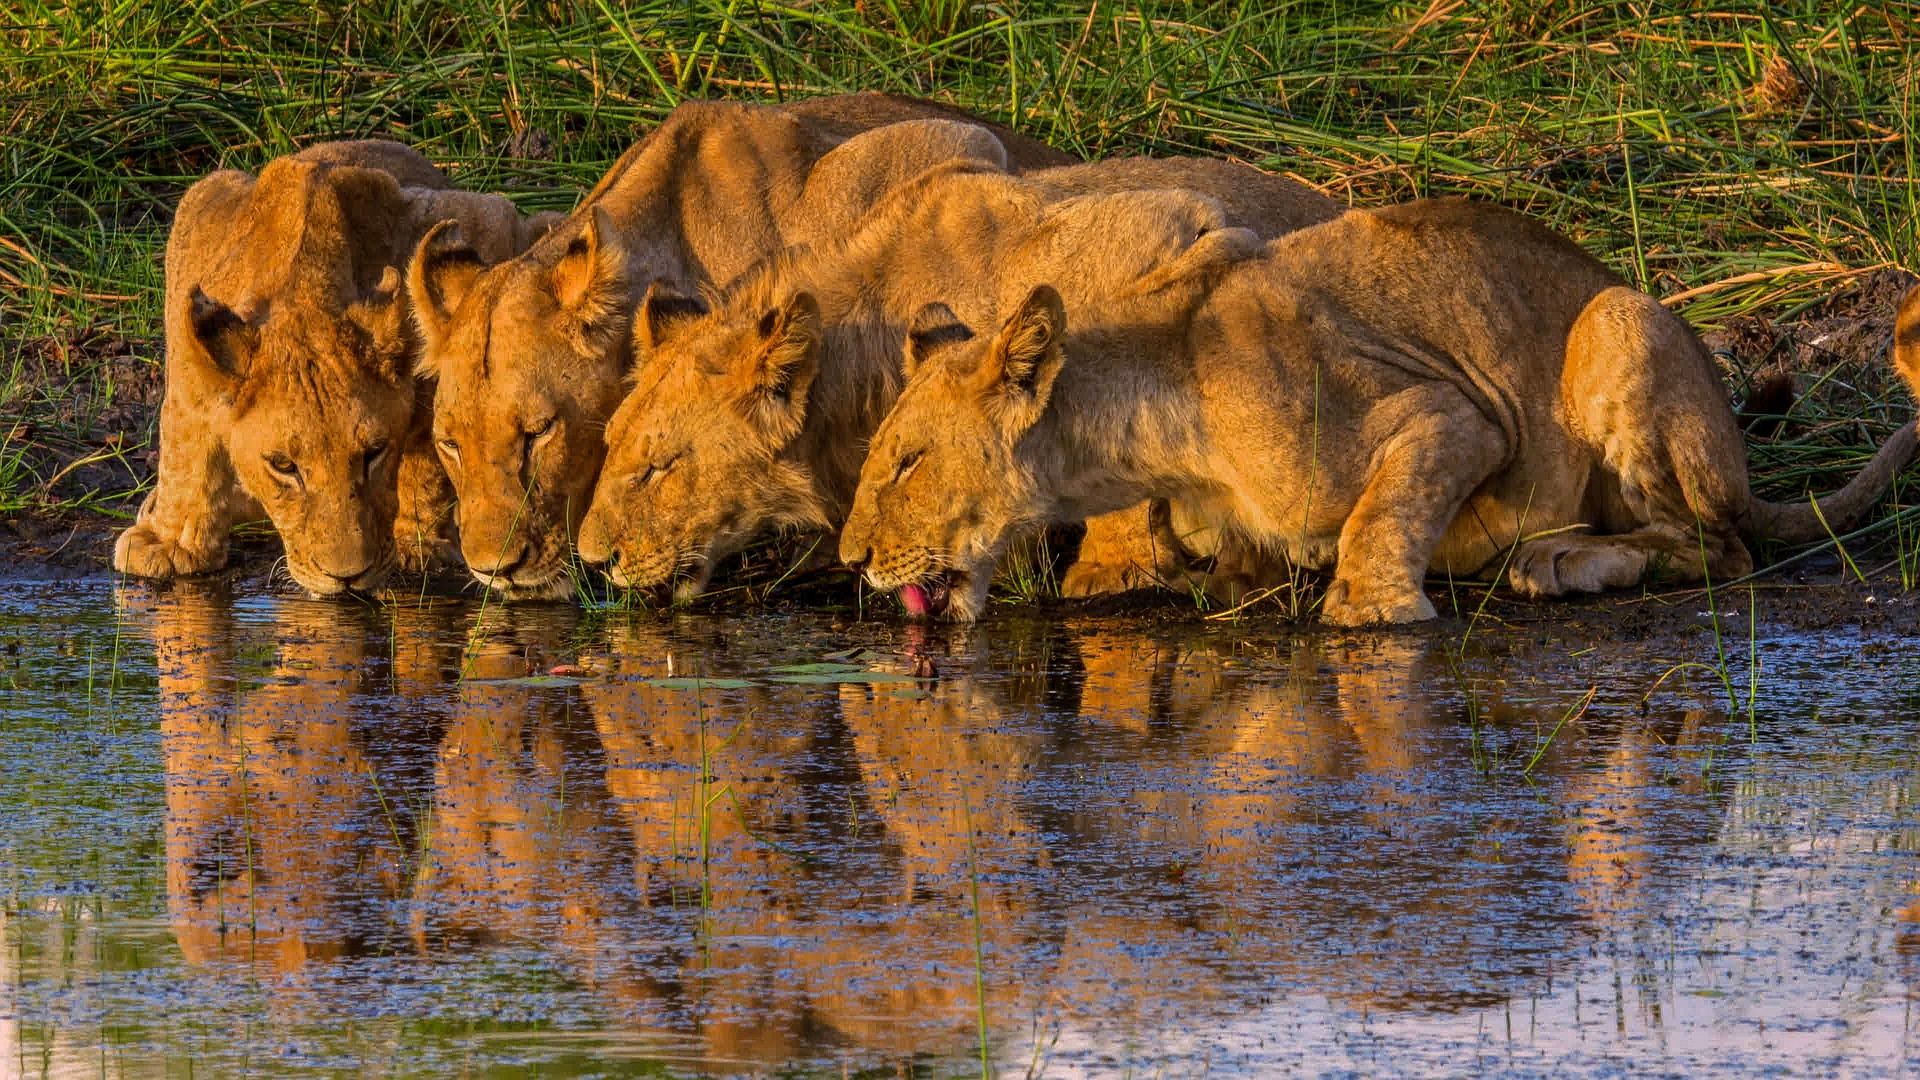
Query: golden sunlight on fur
[(532, 355), (290, 382), (754, 416), (1400, 391)]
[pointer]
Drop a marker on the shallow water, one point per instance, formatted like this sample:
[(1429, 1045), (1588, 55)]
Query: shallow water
[(268, 835)]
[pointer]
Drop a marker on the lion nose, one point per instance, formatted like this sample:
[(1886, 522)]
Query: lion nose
[(596, 556), (859, 564), (349, 578), (502, 566)]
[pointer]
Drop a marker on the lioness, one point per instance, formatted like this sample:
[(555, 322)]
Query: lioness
[(531, 354), (1415, 388), (755, 415), (1906, 337), (289, 365)]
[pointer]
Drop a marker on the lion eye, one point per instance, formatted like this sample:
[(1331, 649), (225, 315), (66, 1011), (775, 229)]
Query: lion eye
[(906, 465), (371, 458), (653, 471), (449, 447), (541, 430), (282, 464)]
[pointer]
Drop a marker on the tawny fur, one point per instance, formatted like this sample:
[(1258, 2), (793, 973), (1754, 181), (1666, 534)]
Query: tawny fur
[(1425, 388), (532, 355), (1905, 353), (755, 416), (287, 342)]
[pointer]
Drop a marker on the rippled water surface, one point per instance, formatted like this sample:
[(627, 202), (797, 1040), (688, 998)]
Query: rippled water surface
[(258, 834)]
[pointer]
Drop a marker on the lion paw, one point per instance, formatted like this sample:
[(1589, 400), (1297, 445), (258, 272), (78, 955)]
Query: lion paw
[(142, 552), (1086, 579), (1349, 604), (1557, 565), (424, 557)]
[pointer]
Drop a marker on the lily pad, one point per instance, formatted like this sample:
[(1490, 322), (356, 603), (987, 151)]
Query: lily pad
[(861, 675), (680, 682), (812, 669)]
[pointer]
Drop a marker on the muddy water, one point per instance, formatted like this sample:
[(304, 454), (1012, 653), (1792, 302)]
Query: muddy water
[(257, 834)]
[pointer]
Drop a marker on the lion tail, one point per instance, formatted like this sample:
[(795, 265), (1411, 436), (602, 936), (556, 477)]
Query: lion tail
[(1815, 519), (1818, 517)]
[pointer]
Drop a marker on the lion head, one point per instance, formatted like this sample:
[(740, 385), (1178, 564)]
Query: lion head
[(943, 489), (295, 353), (319, 406), (530, 355), (698, 462)]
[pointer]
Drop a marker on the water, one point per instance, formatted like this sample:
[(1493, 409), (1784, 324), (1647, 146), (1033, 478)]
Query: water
[(273, 836)]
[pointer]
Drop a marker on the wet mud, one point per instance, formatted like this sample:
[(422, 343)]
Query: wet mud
[(247, 832)]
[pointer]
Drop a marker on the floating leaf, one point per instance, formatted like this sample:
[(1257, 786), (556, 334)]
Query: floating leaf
[(678, 682), (858, 675), (812, 669)]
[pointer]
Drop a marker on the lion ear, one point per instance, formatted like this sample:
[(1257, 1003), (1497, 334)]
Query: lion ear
[(590, 281), (373, 214), (535, 226), (1906, 340), (934, 327), (439, 276), (1018, 375), (382, 315), (662, 312), (227, 341), (782, 370)]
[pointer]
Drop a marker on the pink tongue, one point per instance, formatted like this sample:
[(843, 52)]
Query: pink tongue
[(915, 599)]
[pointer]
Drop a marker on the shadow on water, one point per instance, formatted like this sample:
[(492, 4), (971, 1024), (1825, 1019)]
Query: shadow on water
[(280, 835)]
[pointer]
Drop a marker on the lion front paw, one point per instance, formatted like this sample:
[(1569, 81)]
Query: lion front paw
[(142, 552), (418, 556), (1352, 604)]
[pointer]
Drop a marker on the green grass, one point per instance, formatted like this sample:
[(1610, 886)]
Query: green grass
[(1750, 158)]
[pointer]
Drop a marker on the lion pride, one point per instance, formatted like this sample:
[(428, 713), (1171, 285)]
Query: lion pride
[(289, 365), (531, 354), (1433, 387), (755, 415)]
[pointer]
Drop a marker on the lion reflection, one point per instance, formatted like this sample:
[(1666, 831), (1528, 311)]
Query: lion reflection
[(290, 825), (1114, 829)]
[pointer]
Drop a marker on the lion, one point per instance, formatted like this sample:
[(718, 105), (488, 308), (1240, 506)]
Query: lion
[(754, 415), (1906, 337), (289, 373), (1438, 387), (531, 355)]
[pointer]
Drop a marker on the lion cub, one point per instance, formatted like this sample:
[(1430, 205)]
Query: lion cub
[(290, 369), (1412, 389), (532, 355)]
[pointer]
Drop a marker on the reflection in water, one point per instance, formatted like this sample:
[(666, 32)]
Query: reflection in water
[(1096, 839), (289, 817)]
